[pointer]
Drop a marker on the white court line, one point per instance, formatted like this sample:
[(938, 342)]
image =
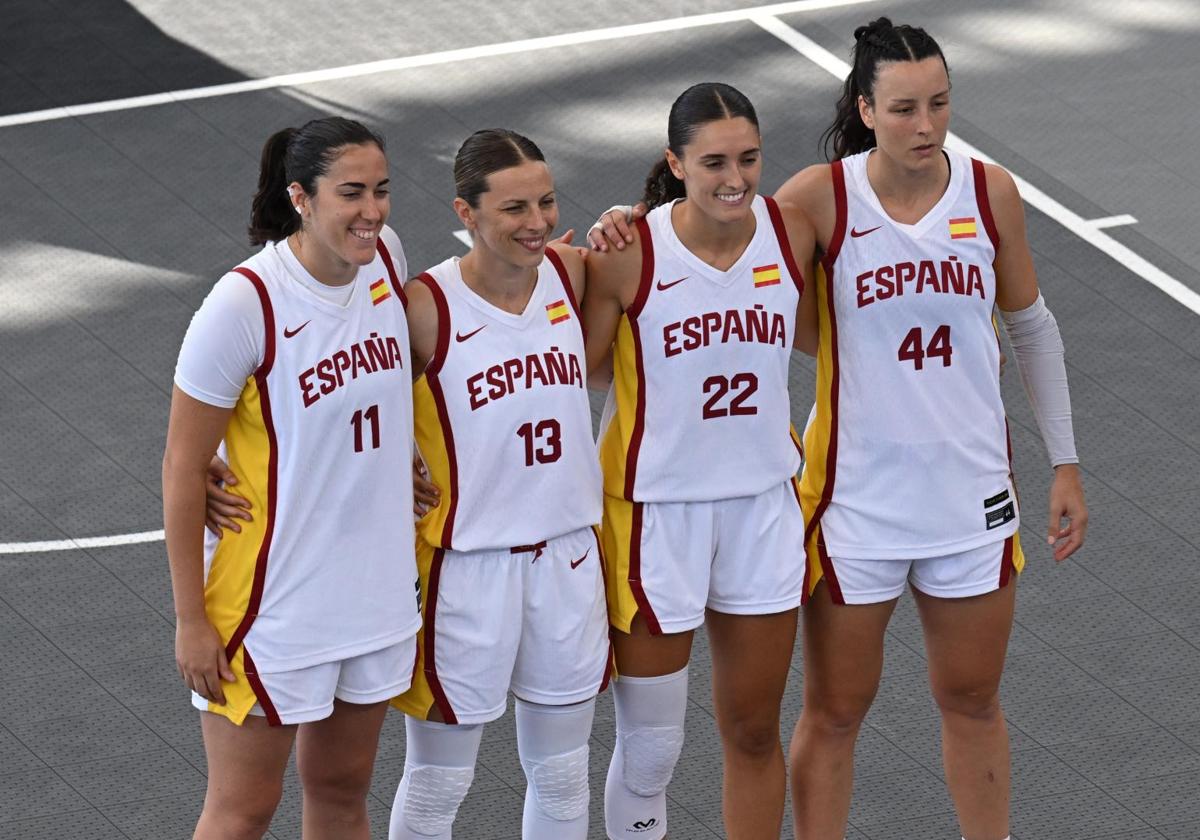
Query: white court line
[(427, 60), (763, 16), (1089, 232), (1113, 221), (83, 542)]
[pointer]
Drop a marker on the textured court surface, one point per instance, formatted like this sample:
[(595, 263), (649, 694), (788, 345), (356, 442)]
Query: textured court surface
[(114, 226)]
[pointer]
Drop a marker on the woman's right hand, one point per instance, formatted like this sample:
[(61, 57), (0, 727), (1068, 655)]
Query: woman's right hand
[(426, 494), (614, 226), (222, 507), (200, 658)]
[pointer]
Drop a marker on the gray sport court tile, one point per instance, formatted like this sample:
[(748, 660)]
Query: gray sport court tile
[(138, 212)]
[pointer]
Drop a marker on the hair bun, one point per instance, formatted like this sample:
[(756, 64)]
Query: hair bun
[(873, 31)]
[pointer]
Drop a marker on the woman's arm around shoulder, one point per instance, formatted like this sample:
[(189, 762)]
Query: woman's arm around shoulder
[(613, 278), (802, 243), (811, 190)]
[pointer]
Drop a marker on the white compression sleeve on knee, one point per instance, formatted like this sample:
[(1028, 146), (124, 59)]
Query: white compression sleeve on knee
[(650, 713), (1037, 344), (553, 744), (439, 764)]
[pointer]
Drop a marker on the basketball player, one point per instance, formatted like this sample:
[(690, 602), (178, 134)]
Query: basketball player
[(510, 560), (303, 622), (907, 478), (702, 518)]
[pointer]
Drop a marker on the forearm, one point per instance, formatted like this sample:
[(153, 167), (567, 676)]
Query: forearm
[(1038, 351), (183, 520)]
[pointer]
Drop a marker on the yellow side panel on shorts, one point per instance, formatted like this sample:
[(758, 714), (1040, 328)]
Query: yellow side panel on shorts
[(819, 433), (435, 450), (614, 446), (615, 534), (1018, 556), (418, 700), (239, 696)]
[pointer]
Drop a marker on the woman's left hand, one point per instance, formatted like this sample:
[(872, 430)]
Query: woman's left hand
[(1066, 502)]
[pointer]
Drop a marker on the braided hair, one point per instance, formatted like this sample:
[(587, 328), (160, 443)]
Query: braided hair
[(878, 42)]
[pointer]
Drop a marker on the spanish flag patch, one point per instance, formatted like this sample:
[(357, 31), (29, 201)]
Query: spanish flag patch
[(766, 275), (962, 228), (379, 291), (558, 311)]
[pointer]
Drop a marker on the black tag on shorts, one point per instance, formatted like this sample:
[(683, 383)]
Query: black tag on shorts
[(996, 518)]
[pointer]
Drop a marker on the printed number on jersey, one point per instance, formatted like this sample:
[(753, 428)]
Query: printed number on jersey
[(913, 348), (738, 388), (543, 441), (371, 416)]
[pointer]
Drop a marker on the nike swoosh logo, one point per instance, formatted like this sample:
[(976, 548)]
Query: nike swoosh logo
[(662, 287), (857, 233), (460, 337), (575, 563), (289, 333)]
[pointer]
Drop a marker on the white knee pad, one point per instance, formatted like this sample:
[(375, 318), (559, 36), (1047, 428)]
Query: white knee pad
[(439, 765), (650, 713), (649, 755), (560, 783), (431, 797), (553, 743)]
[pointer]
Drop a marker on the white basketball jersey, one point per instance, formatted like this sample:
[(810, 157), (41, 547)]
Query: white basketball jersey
[(321, 440), (699, 406), (503, 419), (907, 451)]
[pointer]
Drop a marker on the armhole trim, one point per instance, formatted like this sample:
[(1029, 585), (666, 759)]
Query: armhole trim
[(983, 203), (839, 226), (443, 338), (268, 311), (647, 277), (397, 283), (785, 245)]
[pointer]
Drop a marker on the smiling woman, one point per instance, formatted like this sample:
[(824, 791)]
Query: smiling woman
[(322, 641)]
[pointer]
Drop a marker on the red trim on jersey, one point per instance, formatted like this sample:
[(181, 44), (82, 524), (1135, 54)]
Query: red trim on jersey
[(635, 573), (439, 399), (982, 202), (839, 204), (608, 659), (644, 282), (835, 588), (1006, 563), (260, 690), (639, 414), (397, 282), (264, 397), (785, 245), (435, 684), (565, 277)]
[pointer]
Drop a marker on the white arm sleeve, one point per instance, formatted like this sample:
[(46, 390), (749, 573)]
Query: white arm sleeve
[(224, 345), (1037, 344)]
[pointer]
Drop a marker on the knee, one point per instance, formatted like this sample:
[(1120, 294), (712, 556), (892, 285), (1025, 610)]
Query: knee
[(972, 702), (835, 716), (752, 736), (342, 790), (648, 758), (559, 784), (428, 799), (247, 815)]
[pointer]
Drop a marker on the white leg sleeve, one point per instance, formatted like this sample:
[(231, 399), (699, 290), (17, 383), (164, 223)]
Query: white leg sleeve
[(553, 743), (439, 764), (650, 713)]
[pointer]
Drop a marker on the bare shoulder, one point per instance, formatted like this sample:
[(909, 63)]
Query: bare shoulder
[(609, 272), (810, 189), (572, 261), (423, 324), (1002, 189)]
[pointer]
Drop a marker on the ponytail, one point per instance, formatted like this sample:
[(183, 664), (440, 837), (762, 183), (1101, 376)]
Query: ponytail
[(272, 216), (300, 156), (700, 104), (876, 43), (662, 187)]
